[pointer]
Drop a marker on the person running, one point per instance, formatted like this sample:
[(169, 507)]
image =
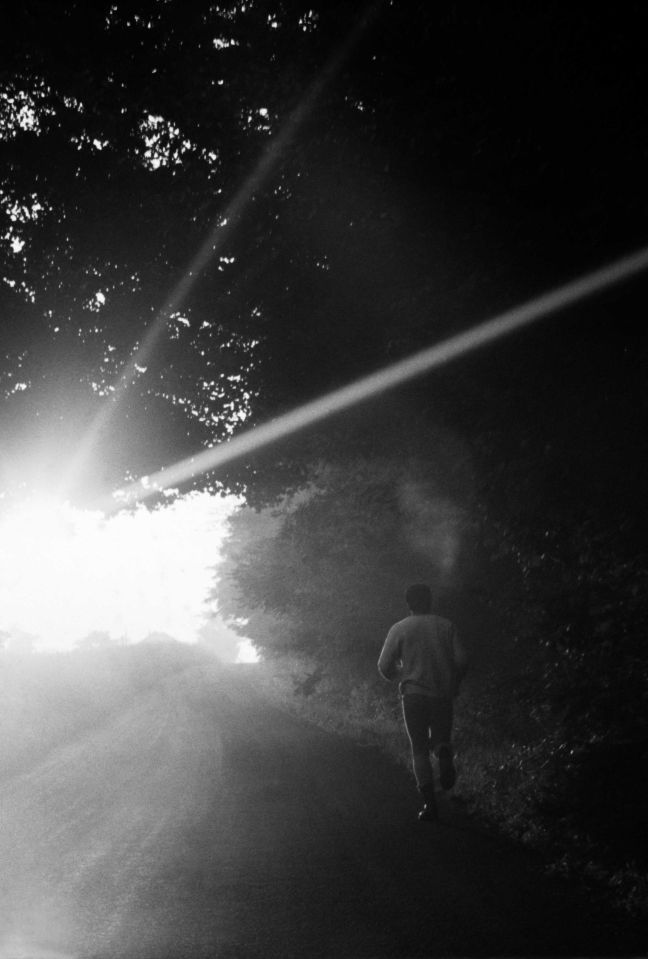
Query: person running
[(423, 653)]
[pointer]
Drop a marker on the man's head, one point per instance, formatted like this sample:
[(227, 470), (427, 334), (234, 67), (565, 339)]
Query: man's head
[(419, 598)]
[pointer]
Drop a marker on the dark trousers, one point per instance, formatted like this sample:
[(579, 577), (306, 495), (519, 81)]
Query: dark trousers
[(428, 723)]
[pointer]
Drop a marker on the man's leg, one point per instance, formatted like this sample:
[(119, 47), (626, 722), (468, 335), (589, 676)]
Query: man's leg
[(440, 737), (447, 771), (417, 725)]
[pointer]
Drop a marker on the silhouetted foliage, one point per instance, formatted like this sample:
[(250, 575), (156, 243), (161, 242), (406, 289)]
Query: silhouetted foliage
[(456, 161)]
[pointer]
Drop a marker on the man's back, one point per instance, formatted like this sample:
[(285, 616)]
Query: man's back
[(424, 653)]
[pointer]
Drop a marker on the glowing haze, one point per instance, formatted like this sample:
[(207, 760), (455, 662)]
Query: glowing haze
[(65, 572)]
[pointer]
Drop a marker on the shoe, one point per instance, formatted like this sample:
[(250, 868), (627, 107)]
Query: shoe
[(429, 812), (447, 771)]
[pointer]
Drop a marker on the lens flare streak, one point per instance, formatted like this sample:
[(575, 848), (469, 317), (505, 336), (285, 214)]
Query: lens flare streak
[(390, 377)]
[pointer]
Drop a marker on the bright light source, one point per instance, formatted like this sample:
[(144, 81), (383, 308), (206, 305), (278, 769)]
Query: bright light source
[(65, 572), (247, 652)]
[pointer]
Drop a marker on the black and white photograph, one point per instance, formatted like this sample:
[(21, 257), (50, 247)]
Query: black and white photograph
[(323, 479)]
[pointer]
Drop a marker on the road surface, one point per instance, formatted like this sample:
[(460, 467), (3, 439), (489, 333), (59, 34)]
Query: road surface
[(199, 821)]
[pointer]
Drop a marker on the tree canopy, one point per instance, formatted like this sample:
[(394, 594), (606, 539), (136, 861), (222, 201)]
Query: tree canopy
[(345, 184)]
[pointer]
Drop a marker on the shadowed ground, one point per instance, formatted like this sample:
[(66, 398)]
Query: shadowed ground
[(201, 822)]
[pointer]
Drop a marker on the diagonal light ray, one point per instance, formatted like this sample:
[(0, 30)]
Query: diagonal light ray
[(218, 233), (389, 377)]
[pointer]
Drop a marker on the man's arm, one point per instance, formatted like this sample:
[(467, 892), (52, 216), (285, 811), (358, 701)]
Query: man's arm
[(389, 659)]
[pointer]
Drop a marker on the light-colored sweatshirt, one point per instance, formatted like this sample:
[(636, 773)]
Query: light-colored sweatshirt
[(424, 653)]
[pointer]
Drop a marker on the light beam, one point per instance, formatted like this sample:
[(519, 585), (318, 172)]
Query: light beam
[(390, 377), (218, 232)]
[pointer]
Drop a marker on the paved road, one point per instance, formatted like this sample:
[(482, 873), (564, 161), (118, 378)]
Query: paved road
[(201, 822)]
